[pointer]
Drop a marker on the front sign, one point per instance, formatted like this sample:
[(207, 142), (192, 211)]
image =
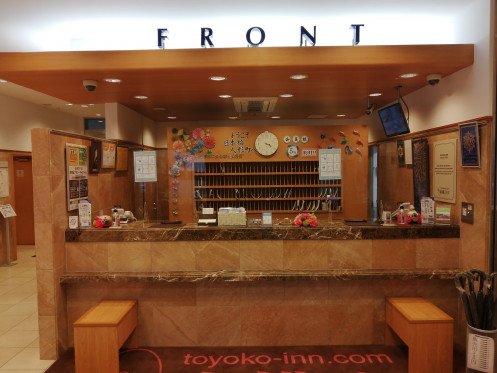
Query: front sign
[(255, 36)]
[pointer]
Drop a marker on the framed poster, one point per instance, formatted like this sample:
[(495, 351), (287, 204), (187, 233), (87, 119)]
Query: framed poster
[(95, 156), (470, 144), (108, 154), (121, 158), (77, 175), (444, 170)]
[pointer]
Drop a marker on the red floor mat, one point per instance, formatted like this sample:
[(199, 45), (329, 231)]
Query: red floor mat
[(307, 359)]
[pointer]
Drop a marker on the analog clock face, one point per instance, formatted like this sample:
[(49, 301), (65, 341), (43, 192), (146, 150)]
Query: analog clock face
[(266, 143)]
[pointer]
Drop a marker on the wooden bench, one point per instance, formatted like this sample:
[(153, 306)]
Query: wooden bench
[(101, 331), (425, 329)]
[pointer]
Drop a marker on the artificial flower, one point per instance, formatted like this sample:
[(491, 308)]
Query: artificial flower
[(305, 219)]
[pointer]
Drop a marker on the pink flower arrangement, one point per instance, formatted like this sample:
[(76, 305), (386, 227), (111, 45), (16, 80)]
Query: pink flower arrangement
[(305, 219)]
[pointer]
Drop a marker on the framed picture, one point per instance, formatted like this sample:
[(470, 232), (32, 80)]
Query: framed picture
[(470, 144), (108, 154), (122, 159), (95, 157)]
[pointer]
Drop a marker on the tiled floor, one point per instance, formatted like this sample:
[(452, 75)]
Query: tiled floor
[(19, 349)]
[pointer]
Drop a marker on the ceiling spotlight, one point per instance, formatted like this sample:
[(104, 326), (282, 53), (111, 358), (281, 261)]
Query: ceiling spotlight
[(141, 97), (341, 115), (408, 75), (286, 95), (232, 118), (224, 96), (171, 117), (217, 78), (113, 80), (376, 94), (3, 81), (275, 117), (298, 77)]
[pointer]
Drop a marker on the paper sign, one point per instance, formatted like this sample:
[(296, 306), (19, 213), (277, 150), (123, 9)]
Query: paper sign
[(7, 211)]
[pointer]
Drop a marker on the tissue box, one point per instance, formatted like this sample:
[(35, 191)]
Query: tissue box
[(231, 216)]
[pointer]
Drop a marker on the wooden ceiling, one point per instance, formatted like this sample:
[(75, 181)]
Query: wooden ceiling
[(339, 78)]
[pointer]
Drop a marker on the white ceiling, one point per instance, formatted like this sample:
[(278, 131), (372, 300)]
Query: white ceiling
[(30, 25)]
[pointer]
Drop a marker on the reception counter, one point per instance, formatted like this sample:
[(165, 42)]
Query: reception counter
[(281, 285)]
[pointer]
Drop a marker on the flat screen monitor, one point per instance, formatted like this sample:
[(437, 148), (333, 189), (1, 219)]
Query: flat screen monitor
[(393, 120)]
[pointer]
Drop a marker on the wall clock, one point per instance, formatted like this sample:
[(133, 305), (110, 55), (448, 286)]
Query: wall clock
[(266, 143)]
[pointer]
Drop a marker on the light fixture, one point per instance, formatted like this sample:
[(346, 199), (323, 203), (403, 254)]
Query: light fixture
[(408, 75), (232, 118), (171, 117), (113, 80), (298, 77), (141, 97), (286, 95), (341, 115), (69, 104), (3, 81), (217, 78), (85, 106), (224, 96), (275, 117), (98, 115), (376, 94)]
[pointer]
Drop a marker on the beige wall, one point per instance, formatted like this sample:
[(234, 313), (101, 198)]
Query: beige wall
[(105, 189)]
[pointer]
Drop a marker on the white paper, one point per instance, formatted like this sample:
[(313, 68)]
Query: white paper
[(4, 182), (7, 211), (480, 353)]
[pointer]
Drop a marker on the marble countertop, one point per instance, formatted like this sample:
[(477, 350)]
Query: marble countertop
[(247, 276), (138, 231)]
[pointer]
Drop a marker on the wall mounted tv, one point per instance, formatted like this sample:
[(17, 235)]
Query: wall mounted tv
[(393, 120)]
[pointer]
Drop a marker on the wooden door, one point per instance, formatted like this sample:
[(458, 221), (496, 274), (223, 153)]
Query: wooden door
[(24, 207)]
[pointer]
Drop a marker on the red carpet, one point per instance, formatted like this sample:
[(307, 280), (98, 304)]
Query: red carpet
[(307, 359)]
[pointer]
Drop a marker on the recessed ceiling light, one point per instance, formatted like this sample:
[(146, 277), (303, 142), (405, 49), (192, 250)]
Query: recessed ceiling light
[(3, 81), (276, 117), (84, 105), (98, 115), (376, 94), (286, 95), (408, 75), (141, 97), (113, 80), (298, 77), (341, 115), (232, 117), (224, 96), (171, 117), (69, 104), (217, 78)]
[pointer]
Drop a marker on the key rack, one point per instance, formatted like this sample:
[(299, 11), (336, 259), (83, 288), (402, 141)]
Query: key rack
[(265, 186)]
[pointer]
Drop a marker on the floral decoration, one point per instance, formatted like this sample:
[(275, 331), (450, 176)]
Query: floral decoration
[(306, 219), (102, 221)]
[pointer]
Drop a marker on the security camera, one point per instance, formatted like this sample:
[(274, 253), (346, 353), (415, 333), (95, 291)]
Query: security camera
[(371, 108), (433, 79), (90, 85)]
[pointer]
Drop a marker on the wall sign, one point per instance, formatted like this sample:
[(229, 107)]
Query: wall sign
[(77, 175), (444, 170), (330, 164), (255, 36), (145, 166)]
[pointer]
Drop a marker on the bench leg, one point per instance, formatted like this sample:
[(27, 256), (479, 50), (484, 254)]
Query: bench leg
[(431, 349), (96, 350)]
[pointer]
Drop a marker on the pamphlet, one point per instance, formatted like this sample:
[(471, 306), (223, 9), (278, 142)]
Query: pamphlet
[(428, 210), (84, 214)]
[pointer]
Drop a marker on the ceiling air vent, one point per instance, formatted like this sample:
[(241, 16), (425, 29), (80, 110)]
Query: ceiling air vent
[(254, 105)]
